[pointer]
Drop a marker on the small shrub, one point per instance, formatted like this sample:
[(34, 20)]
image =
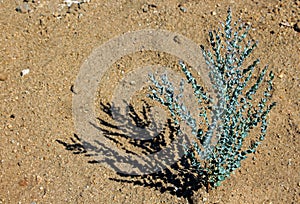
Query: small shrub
[(231, 114)]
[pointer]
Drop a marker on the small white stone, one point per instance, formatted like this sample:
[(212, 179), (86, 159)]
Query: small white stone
[(280, 75), (24, 72)]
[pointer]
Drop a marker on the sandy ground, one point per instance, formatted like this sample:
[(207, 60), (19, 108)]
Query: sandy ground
[(53, 41)]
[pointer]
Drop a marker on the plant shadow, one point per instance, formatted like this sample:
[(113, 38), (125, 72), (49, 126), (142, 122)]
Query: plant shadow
[(180, 178)]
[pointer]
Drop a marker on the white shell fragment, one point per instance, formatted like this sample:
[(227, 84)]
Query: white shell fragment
[(24, 72)]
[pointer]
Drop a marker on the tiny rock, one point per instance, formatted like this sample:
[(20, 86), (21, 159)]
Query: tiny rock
[(25, 72), (3, 76), (297, 27), (145, 8), (23, 8), (132, 83), (280, 75), (213, 13), (287, 24), (23, 182), (182, 8), (248, 23), (177, 39)]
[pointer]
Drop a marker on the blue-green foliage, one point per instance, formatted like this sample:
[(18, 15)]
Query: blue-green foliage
[(232, 112)]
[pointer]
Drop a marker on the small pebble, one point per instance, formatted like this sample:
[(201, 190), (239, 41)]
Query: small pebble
[(177, 39), (24, 8), (73, 89), (3, 77), (132, 83), (24, 72), (183, 9), (213, 13), (145, 8), (297, 27), (280, 75), (287, 24)]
